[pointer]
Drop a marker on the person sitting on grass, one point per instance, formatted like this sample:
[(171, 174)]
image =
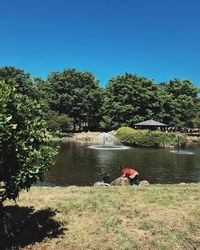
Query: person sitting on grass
[(106, 178), (134, 179)]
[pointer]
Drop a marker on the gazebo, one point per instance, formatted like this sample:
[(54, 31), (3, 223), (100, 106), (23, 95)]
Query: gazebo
[(151, 124)]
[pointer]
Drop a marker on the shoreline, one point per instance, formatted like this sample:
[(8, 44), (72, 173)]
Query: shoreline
[(128, 186), (134, 186), (92, 137)]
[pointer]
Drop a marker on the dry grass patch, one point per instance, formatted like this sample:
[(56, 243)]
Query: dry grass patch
[(155, 217)]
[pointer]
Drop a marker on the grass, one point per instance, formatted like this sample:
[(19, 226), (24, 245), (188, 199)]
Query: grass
[(154, 217)]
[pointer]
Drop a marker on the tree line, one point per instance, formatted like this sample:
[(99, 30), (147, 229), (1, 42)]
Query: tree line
[(72, 100)]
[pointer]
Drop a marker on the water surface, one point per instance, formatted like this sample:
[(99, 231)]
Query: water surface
[(77, 164)]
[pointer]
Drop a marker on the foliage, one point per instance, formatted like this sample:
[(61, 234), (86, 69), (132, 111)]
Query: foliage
[(43, 92), (129, 99), (147, 138), (178, 101), (196, 119), (75, 94), (24, 153), (58, 122), (18, 78)]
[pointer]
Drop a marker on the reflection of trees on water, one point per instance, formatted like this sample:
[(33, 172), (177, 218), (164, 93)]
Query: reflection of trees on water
[(75, 165), (78, 165)]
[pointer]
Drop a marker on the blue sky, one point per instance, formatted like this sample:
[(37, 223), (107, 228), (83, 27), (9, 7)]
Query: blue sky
[(159, 39)]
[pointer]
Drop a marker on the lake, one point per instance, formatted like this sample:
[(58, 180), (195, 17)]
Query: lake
[(77, 164)]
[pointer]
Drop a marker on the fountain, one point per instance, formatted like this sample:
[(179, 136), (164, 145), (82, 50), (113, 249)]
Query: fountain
[(107, 141), (177, 147)]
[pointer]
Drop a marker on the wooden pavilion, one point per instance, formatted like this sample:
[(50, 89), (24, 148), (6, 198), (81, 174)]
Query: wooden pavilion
[(152, 125)]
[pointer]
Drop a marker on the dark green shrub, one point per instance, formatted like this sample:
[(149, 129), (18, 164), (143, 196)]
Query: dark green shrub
[(147, 138), (58, 122)]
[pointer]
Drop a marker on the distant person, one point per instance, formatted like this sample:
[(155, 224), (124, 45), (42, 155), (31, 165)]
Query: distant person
[(132, 175), (106, 178), (134, 180)]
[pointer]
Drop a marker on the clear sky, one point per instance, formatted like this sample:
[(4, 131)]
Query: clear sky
[(159, 39)]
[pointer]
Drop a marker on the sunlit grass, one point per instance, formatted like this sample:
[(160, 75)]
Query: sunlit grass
[(154, 217)]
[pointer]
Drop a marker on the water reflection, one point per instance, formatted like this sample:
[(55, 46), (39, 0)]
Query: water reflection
[(76, 164)]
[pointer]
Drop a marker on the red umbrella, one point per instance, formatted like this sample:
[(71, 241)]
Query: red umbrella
[(129, 171)]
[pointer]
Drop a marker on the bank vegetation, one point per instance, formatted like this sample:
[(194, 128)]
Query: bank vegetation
[(151, 139)]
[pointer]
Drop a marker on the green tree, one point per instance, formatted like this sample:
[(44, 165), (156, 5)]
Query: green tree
[(22, 81), (56, 122), (77, 95), (43, 93), (129, 99), (196, 119), (182, 102), (165, 104), (24, 153)]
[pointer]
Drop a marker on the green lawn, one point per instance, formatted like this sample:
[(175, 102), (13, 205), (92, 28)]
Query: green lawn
[(154, 217)]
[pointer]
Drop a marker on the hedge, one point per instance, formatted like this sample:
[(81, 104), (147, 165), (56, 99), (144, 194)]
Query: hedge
[(147, 138)]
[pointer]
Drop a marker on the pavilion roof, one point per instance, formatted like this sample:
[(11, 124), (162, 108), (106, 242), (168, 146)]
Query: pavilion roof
[(151, 123)]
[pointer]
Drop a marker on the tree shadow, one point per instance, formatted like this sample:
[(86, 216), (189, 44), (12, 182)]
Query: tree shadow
[(21, 226)]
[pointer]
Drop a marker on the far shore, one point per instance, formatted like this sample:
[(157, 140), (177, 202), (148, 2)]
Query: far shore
[(93, 137)]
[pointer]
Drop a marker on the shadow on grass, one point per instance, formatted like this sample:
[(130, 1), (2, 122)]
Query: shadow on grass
[(21, 226)]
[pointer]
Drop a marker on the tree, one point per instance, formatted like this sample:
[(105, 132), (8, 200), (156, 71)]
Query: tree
[(24, 153), (196, 119), (19, 79), (129, 99), (182, 104), (165, 104), (77, 95), (56, 122), (43, 93)]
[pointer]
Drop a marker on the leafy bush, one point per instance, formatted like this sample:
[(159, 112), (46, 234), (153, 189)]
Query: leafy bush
[(147, 138), (24, 153)]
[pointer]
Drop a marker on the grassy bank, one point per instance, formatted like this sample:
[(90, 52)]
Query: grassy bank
[(154, 217)]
